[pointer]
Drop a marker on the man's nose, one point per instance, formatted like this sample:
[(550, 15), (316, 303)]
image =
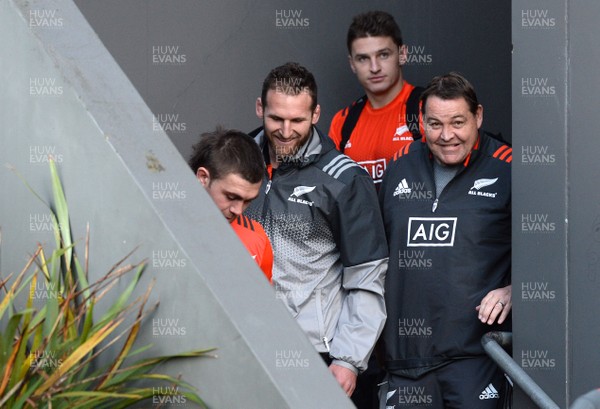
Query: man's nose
[(447, 133), (374, 64), (286, 129), (236, 208)]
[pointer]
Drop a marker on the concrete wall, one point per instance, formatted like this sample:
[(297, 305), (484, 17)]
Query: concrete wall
[(556, 237), (201, 63), (64, 95), (196, 64)]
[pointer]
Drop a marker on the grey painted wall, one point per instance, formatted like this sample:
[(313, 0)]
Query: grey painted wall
[(556, 269), (584, 198), (220, 52), (63, 94)]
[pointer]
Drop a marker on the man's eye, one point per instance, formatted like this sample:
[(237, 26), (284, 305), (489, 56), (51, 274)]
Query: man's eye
[(384, 55), (458, 124)]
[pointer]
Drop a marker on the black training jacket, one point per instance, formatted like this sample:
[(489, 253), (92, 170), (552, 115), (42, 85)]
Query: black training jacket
[(445, 254)]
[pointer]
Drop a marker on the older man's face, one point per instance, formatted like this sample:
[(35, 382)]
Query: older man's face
[(451, 129)]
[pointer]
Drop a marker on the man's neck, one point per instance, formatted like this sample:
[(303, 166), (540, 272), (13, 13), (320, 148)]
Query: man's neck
[(380, 100), (273, 158)]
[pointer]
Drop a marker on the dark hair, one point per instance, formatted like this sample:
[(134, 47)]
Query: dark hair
[(450, 86), (291, 79), (373, 24), (228, 151)]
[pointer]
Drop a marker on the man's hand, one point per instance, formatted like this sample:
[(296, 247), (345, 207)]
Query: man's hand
[(345, 377), (496, 304)]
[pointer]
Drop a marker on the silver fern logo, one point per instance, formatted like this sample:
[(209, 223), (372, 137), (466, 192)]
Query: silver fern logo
[(480, 184), (299, 191), (302, 190)]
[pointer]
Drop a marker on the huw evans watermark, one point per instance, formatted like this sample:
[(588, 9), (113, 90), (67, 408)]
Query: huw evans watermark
[(414, 259), (291, 19), (537, 87), (168, 327), (537, 359), (537, 155), (290, 86), (289, 358), (42, 222), (168, 191), (168, 123), (44, 360), (409, 396), (167, 395), (45, 86), (414, 327), (168, 259), (44, 154), (537, 291), (41, 290), (537, 19), (417, 55), (537, 223), (45, 18), (168, 55)]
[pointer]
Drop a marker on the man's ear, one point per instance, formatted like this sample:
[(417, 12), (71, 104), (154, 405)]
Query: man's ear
[(351, 62), (203, 175), (259, 108), (403, 54), (479, 115), (316, 114)]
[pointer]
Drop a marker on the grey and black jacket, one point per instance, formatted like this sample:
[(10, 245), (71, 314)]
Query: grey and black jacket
[(446, 254), (321, 213)]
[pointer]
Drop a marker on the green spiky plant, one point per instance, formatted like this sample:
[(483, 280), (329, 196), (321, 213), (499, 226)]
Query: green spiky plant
[(51, 355)]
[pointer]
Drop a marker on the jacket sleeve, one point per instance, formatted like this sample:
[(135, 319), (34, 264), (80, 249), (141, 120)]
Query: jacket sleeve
[(363, 247), (266, 263)]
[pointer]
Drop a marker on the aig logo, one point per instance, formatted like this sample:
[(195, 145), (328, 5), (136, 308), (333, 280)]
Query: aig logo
[(431, 231), (375, 168)]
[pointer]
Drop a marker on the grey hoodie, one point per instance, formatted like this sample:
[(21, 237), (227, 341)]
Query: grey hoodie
[(321, 213)]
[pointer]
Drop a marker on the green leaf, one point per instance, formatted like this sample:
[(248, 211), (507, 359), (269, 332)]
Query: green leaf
[(11, 333), (62, 226), (121, 302), (77, 355), (61, 320), (82, 278)]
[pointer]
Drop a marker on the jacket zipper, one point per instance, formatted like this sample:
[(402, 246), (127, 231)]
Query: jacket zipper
[(266, 201), (320, 319)]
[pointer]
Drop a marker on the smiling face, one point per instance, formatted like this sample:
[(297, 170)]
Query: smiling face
[(377, 61), (232, 193), (451, 129), (287, 120)]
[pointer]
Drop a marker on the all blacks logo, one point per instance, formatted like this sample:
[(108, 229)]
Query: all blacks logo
[(431, 231)]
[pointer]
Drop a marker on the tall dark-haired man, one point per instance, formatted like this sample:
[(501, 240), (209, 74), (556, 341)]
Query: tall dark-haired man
[(446, 204), (321, 213), (378, 124), (230, 167)]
